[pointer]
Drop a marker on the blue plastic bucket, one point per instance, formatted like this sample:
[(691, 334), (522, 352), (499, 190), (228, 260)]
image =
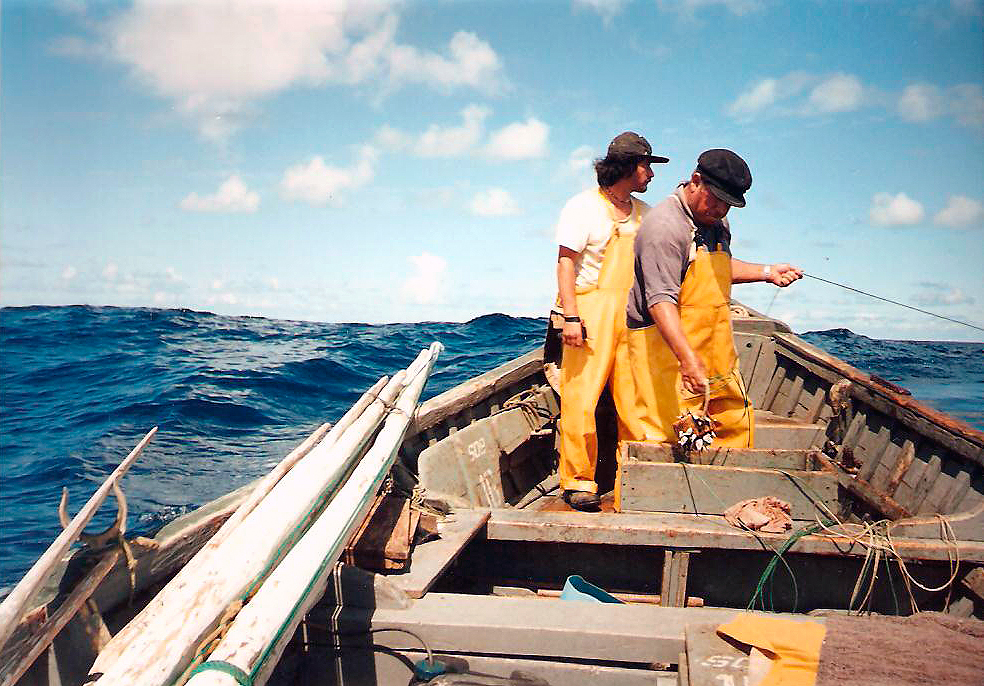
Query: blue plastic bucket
[(581, 591)]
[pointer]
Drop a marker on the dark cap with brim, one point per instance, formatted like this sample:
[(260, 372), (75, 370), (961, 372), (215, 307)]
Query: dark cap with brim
[(726, 175), (631, 144)]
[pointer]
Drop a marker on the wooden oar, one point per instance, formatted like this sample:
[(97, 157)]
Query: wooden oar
[(285, 465), (259, 634), (14, 604), (155, 646)]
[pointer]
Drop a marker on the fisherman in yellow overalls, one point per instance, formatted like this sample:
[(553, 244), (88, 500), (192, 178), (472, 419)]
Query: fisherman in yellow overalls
[(595, 232), (679, 318)]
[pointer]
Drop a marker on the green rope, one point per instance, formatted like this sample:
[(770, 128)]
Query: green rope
[(241, 677), (770, 569)]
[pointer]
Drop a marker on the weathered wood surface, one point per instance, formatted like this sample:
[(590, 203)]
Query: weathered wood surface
[(15, 604), (543, 627), (474, 391), (669, 530), (261, 630), (933, 424), (864, 491), (271, 479), (711, 660), (430, 559), (798, 459), (383, 540), (707, 489), (18, 657), (388, 667), (157, 644)]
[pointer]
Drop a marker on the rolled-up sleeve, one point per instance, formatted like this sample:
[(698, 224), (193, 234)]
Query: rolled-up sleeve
[(662, 254)]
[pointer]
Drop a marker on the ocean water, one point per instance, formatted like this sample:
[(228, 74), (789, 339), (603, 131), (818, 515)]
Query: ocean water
[(79, 387)]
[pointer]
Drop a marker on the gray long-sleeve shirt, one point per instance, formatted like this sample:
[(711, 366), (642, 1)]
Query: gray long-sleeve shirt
[(664, 248)]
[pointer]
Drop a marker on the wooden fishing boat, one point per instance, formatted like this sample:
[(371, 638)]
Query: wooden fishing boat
[(886, 496)]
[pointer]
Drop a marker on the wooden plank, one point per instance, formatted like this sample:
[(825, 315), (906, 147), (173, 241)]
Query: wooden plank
[(961, 485), (673, 585), (535, 671), (670, 530), (872, 450), (792, 397), (777, 437), (765, 365), (257, 636), (778, 376), (430, 559), (864, 491), (712, 661), (747, 346), (902, 463), (955, 435), (931, 472), (543, 627), (19, 657), (383, 540), (704, 489), (766, 458), (474, 391)]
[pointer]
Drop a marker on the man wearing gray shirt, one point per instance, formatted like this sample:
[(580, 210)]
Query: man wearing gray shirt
[(678, 315)]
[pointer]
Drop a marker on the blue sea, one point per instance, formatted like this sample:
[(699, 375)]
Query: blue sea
[(79, 387)]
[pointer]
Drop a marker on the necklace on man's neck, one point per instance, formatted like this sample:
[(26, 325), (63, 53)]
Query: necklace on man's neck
[(615, 200)]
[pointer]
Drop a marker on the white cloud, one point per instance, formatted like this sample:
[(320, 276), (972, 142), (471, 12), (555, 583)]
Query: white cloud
[(921, 102), (426, 285), (694, 8), (437, 141), (110, 271), (894, 210), (770, 93), (937, 295), (232, 196), (580, 159), (758, 97), (960, 211), (838, 93), (69, 273), (967, 104), (519, 141), (213, 59), (494, 202), (606, 8), (472, 63), (316, 183)]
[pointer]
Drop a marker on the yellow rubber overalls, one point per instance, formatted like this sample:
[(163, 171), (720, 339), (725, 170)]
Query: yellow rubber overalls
[(705, 315), (604, 356)]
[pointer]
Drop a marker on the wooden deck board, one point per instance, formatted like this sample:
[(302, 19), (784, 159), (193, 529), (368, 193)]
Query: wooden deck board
[(690, 531), (429, 560)]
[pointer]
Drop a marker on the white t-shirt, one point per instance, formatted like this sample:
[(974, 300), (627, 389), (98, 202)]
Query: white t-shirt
[(586, 224)]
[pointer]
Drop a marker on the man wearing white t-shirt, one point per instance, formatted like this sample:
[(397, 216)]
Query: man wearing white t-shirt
[(595, 232)]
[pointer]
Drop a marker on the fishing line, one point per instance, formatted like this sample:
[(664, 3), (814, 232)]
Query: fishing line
[(894, 302)]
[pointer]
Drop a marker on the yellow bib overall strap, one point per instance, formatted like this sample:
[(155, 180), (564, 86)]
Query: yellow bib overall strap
[(604, 356), (705, 317)]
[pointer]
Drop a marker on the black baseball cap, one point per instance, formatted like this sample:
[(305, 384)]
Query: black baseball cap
[(726, 175), (631, 144)]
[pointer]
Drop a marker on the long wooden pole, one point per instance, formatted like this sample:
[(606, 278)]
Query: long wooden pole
[(263, 627), (285, 465), (14, 604), (153, 649)]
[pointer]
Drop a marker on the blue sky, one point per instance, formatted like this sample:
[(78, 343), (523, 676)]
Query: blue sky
[(405, 161)]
